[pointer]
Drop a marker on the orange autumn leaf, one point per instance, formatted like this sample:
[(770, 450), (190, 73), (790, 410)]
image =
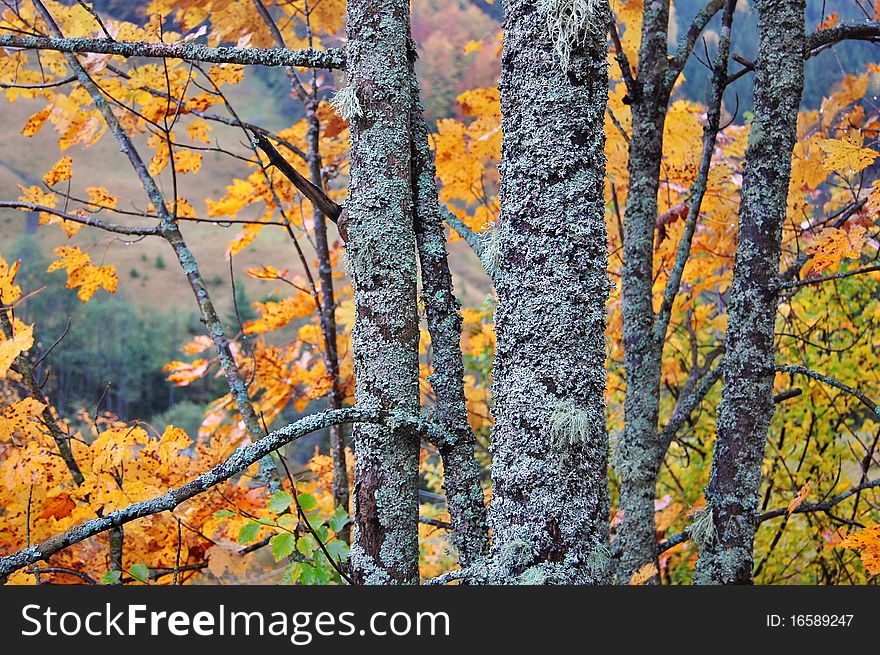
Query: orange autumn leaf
[(35, 123), (799, 499), (187, 161), (644, 574), (830, 21), (57, 507), (867, 542), (21, 419), (185, 373), (275, 315), (61, 171), (82, 274), (833, 245), (266, 273), (100, 197)]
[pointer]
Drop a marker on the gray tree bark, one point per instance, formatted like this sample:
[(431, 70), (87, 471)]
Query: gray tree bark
[(638, 458), (746, 401), (642, 448), (382, 257), (549, 510), (461, 470)]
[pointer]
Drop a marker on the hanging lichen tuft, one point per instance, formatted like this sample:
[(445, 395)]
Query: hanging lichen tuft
[(567, 23)]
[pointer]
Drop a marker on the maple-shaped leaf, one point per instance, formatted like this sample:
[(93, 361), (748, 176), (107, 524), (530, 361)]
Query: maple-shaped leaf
[(830, 21), (276, 315), (101, 198), (847, 154), (82, 274), (833, 245), (187, 161), (867, 542), (199, 130), (57, 507), (9, 291), (21, 419)]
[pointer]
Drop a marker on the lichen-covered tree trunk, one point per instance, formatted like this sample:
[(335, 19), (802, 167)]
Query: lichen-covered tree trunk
[(461, 470), (549, 510), (640, 455), (746, 401), (382, 257)]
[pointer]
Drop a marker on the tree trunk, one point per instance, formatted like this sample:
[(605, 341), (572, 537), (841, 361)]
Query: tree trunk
[(639, 457), (746, 400), (461, 470), (549, 510), (381, 252)]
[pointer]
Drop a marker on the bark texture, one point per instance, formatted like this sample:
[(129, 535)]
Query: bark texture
[(382, 257), (461, 470), (642, 449), (638, 458), (549, 510), (746, 401)]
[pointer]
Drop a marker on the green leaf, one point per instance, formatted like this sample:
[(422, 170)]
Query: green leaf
[(248, 532), (338, 550), (280, 501), (111, 577), (308, 572), (140, 572), (288, 522), (307, 545), (339, 520), (307, 502), (224, 514), (292, 573), (282, 545)]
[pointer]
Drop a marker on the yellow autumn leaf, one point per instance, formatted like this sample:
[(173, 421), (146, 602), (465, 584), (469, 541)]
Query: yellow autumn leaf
[(847, 154), (21, 341), (833, 245), (266, 273), (35, 123), (20, 419), (275, 315), (472, 46), (187, 161), (199, 130), (82, 274), (227, 73), (61, 171), (88, 279), (9, 291), (644, 574), (185, 373), (100, 197)]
